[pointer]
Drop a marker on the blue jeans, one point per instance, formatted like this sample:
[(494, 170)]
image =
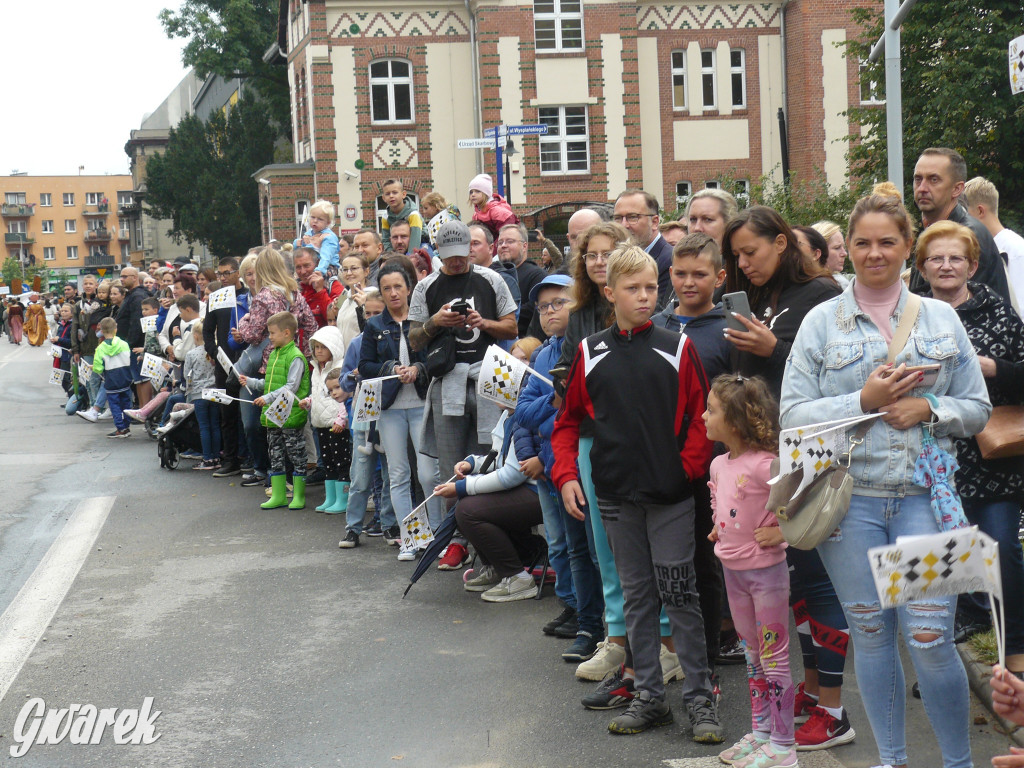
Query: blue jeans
[(396, 427), (97, 393), (255, 434), (172, 401), (558, 548), (874, 522), (208, 416), (361, 486), (1001, 521), (120, 402), (586, 577)]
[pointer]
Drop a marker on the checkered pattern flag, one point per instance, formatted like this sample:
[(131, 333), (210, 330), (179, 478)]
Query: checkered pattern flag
[(217, 396), (57, 375), (366, 406), (813, 448), (416, 532), (501, 377), (56, 351), (225, 297), (277, 412), (148, 324), (84, 371)]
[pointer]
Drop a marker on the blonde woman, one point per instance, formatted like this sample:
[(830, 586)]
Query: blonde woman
[(348, 308), (836, 259)]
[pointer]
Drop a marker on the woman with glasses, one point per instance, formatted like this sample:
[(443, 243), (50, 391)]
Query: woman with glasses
[(348, 308), (991, 489)]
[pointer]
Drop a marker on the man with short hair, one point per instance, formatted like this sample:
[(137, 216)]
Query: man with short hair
[(154, 266), (129, 326), (939, 177), (474, 305), (400, 232), (481, 254), (579, 223), (368, 243), (70, 294), (637, 211), (673, 231), (317, 292), (512, 247), (982, 200)]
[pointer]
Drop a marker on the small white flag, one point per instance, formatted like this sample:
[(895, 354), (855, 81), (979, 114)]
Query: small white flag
[(416, 532), (366, 406), (501, 377), (217, 396), (56, 351), (225, 362), (57, 376), (814, 448), (148, 324), (1017, 65), (279, 411), (221, 299), (153, 368), (84, 371)]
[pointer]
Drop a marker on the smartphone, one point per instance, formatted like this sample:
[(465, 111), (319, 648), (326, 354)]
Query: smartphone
[(931, 373), (738, 303), (532, 236), (461, 307)]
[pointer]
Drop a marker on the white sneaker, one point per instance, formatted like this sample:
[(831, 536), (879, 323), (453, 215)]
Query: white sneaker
[(670, 668), (106, 415), (405, 555), (511, 588), (89, 415), (609, 658), (135, 414)]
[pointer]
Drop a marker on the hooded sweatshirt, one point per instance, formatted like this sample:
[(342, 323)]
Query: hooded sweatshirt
[(323, 409)]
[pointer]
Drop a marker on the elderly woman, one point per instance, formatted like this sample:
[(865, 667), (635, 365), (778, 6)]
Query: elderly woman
[(837, 369), (991, 489), (835, 259)]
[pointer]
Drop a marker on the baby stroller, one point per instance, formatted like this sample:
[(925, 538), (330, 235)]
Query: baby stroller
[(181, 434)]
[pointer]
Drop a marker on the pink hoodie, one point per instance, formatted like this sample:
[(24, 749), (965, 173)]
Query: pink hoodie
[(739, 493)]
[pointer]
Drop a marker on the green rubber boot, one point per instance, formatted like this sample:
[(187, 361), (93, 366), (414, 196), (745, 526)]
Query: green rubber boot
[(331, 495), (279, 491), (298, 492), (341, 505)]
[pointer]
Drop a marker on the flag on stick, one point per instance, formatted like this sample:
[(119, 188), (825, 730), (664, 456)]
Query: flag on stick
[(501, 377), (279, 411), (221, 299), (148, 324)]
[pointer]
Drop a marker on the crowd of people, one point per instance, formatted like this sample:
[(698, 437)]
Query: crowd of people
[(647, 460)]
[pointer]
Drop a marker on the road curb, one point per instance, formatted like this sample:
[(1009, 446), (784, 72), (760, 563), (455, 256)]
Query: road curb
[(978, 675)]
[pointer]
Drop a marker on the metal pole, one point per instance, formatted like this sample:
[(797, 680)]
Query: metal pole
[(500, 186), (893, 94), (895, 23)]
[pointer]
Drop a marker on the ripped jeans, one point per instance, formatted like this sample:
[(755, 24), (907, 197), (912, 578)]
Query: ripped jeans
[(927, 626)]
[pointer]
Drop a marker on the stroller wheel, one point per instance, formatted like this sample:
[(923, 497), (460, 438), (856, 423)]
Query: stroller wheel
[(151, 426), (169, 456)]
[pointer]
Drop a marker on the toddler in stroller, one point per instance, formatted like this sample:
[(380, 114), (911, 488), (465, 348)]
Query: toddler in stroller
[(179, 435)]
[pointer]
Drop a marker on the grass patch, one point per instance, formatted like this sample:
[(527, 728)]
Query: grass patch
[(984, 647)]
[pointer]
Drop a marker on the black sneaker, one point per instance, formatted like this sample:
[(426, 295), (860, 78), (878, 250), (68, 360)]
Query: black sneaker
[(246, 467), (643, 713), (120, 433), (612, 692), (730, 650), (582, 649), (566, 616), (393, 536), (227, 470), (704, 721), (350, 541), (316, 477), (374, 529), (252, 479)]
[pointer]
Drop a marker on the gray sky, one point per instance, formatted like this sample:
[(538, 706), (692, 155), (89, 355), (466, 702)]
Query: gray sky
[(82, 74)]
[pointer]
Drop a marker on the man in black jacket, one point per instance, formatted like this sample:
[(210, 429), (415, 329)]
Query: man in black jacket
[(637, 211), (939, 177), (129, 326), (512, 245)]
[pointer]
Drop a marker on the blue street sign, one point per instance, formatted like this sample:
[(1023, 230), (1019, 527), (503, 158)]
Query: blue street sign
[(526, 130)]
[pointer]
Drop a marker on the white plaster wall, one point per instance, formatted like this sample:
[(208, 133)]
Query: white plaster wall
[(835, 102), (346, 130), (510, 91), (711, 139), (451, 118), (615, 114), (769, 78), (650, 119)]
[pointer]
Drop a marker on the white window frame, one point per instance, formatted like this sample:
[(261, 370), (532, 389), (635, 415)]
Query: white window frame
[(45, 200), (95, 225), (559, 138), (391, 82), (49, 253), (47, 227), (93, 198), (559, 17), (679, 71), (742, 190), (18, 227), (69, 199), (125, 251), (712, 184), (875, 96), (681, 200), (301, 207), (706, 72), (741, 71), (125, 198), (15, 198), (72, 252), (70, 226), (97, 250)]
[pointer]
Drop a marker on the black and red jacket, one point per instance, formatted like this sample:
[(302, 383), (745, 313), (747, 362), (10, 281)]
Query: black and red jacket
[(645, 391)]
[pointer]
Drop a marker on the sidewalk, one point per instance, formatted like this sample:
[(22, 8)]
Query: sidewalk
[(978, 675)]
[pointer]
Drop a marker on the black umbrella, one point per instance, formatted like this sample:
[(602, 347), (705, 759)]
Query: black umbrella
[(442, 536)]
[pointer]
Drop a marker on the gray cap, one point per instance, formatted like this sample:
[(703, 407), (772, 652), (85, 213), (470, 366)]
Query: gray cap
[(453, 240)]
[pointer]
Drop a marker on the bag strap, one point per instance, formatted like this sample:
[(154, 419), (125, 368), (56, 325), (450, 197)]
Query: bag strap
[(905, 326)]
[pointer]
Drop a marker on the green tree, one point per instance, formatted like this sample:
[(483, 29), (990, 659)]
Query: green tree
[(956, 92), (229, 38), (203, 182), (12, 269)]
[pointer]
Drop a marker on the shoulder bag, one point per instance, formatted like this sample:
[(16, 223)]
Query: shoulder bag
[(812, 516), (1004, 434), (440, 354)]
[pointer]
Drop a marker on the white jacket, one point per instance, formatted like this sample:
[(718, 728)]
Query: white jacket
[(323, 409)]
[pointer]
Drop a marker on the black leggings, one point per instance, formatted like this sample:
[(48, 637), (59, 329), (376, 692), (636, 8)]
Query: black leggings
[(495, 523), (336, 449)]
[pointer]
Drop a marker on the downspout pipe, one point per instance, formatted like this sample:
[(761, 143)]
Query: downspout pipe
[(784, 110)]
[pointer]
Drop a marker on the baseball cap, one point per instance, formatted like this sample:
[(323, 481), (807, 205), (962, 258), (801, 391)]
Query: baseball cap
[(453, 240), (561, 281)]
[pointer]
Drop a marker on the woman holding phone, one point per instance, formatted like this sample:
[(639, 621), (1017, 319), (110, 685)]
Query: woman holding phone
[(837, 369), (991, 490), (348, 307)]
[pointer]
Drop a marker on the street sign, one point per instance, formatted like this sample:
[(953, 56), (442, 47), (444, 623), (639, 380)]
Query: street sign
[(489, 132), (476, 143), (516, 130)]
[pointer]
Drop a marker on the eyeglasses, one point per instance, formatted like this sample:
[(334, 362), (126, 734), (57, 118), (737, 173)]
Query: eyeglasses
[(591, 257), (509, 242), (552, 306), (953, 261), (221, 273), (631, 218)]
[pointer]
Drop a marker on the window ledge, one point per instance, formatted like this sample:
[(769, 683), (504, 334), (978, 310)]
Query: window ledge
[(575, 103), (575, 174), (574, 53)]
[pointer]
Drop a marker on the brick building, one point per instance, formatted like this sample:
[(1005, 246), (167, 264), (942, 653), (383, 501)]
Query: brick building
[(665, 97)]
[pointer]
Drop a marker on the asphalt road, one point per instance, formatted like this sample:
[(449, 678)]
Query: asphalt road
[(263, 644)]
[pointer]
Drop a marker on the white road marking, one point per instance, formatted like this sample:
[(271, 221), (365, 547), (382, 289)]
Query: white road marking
[(33, 608)]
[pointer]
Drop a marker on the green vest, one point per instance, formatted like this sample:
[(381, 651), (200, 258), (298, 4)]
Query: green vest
[(278, 363)]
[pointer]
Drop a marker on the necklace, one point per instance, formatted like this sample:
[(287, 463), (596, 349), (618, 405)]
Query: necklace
[(961, 297)]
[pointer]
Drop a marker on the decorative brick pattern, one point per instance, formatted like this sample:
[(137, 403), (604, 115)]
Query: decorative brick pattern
[(400, 24), (395, 153), (724, 17)]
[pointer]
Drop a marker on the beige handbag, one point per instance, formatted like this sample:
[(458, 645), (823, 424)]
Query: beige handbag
[(1004, 434)]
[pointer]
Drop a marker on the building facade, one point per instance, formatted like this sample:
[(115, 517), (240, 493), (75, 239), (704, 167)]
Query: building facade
[(669, 98), (68, 223)]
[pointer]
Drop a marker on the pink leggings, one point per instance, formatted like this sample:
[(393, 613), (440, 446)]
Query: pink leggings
[(759, 601)]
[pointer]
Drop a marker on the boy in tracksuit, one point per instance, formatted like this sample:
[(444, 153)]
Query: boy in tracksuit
[(645, 390), (286, 369), (112, 362)]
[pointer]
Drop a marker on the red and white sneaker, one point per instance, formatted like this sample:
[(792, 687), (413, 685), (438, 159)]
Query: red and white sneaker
[(453, 558), (822, 731), (803, 705)]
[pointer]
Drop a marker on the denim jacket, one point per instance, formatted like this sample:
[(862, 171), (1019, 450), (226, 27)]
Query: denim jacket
[(837, 348)]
